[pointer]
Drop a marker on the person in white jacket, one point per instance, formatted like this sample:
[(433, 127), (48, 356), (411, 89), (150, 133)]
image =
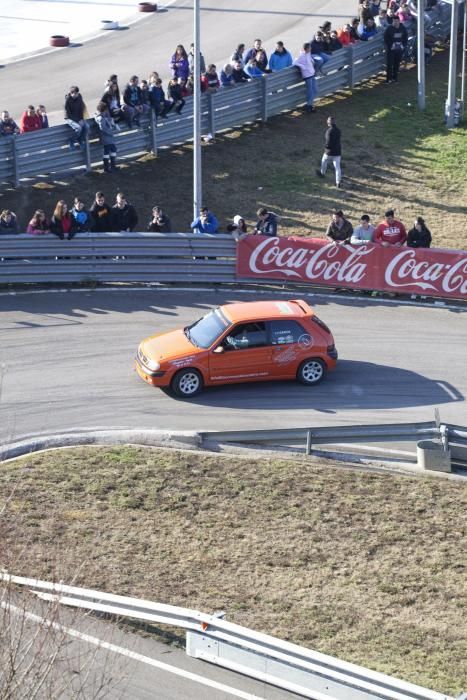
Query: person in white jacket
[(304, 62)]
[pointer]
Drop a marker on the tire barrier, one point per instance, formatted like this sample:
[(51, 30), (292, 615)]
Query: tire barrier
[(147, 7), (59, 40)]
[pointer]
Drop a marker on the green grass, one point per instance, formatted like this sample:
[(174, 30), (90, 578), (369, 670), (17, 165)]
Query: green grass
[(366, 567)]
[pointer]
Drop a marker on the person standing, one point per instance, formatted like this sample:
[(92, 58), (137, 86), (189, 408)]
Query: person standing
[(332, 151), (124, 216), (306, 66), (280, 58), (159, 222), (101, 215), (420, 235), (266, 224), (363, 233), (390, 231), (107, 130), (395, 39), (339, 230), (206, 222), (30, 121)]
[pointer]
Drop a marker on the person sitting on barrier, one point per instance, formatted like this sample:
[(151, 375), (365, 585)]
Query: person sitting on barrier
[(334, 44), (179, 64), (226, 76), (252, 70), (124, 216), (62, 224), (42, 114), (354, 29), (82, 218), (75, 112), (144, 86), (239, 74), (210, 80), (101, 214), (107, 130), (8, 222), (375, 6), (319, 50), (175, 94), (157, 100), (344, 35), (111, 98), (420, 235), (390, 231), (206, 222), (259, 54), (134, 106), (364, 11), (363, 233), (305, 64), (38, 224), (8, 126), (30, 121), (368, 30), (159, 222), (266, 224), (280, 58), (339, 230)]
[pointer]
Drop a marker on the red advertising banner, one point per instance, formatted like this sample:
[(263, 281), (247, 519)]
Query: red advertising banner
[(428, 271)]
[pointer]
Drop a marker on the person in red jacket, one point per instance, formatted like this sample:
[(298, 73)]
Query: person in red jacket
[(30, 121), (390, 231)]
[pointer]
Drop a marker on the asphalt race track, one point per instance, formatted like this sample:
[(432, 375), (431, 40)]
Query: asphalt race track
[(67, 362)]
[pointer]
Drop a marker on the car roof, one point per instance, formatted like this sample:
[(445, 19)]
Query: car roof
[(252, 310)]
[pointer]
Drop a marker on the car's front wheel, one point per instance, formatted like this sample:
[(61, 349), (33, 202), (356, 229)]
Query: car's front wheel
[(311, 371), (187, 383)]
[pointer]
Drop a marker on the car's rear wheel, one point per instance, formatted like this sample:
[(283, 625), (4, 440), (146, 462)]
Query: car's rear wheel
[(311, 371), (187, 383)]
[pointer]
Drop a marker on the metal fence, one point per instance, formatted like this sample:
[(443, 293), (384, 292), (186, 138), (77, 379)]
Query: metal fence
[(48, 151)]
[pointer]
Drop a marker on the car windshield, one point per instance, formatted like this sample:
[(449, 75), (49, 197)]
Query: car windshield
[(204, 332)]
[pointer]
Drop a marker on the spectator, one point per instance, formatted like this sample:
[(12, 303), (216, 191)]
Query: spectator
[(210, 80), (340, 230), (157, 100), (390, 231), (381, 21), (206, 222), (175, 94), (101, 215), (237, 56), (75, 111), (239, 74), (30, 121), (159, 222), (280, 58), (319, 50), (252, 70), (365, 12), (191, 61), (354, 29), (395, 39), (368, 30), (179, 64), (144, 87), (62, 223), (306, 66), (419, 236), (259, 54), (107, 130), (405, 16), (363, 233), (334, 44), (7, 125), (8, 222), (332, 151), (238, 228), (38, 224), (82, 218), (111, 98), (42, 114), (375, 6), (124, 216), (345, 36), (133, 106), (266, 224), (226, 77)]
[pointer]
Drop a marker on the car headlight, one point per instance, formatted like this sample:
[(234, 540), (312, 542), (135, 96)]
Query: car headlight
[(152, 365)]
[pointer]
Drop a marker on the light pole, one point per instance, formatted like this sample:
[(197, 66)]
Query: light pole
[(197, 177), (464, 57), (421, 54), (451, 101)]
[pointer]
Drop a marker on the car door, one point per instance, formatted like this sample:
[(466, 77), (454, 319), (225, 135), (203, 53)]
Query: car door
[(290, 344), (244, 354)]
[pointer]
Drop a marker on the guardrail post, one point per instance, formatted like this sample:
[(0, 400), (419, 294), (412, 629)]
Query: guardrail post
[(351, 71), (264, 98), (211, 114), (87, 153), (309, 436), (14, 156), (153, 127)]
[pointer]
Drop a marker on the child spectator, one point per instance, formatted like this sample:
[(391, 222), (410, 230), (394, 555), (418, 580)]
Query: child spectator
[(101, 214), (62, 223), (75, 113), (8, 222), (82, 218), (390, 231), (339, 230), (107, 130), (419, 236), (175, 93), (7, 125), (179, 64), (124, 216), (30, 121), (363, 233), (38, 224), (42, 114), (159, 222)]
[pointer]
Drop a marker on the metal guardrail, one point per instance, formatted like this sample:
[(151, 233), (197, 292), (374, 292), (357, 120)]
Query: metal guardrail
[(47, 151), (261, 656)]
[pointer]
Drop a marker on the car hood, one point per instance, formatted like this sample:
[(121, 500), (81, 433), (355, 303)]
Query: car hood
[(168, 346)]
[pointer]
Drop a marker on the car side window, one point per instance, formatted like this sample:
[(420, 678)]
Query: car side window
[(286, 332), (246, 335)]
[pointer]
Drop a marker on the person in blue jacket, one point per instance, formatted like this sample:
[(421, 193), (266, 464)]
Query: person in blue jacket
[(206, 222), (252, 70), (280, 58)]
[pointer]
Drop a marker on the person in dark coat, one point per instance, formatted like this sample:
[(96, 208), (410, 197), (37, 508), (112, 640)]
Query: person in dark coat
[(75, 111), (62, 224), (266, 224), (332, 151), (395, 39), (159, 222), (101, 215), (339, 230), (124, 216), (420, 235)]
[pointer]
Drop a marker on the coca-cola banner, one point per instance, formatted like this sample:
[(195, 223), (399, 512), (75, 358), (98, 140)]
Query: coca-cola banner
[(432, 272)]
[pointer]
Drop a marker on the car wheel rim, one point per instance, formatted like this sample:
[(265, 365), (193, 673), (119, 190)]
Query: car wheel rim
[(312, 371), (189, 383)]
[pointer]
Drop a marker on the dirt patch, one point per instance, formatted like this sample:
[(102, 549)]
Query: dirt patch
[(367, 567)]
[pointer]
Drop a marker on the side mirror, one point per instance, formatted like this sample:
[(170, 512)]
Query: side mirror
[(219, 350)]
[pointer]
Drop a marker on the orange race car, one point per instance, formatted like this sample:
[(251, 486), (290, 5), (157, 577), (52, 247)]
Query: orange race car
[(244, 342)]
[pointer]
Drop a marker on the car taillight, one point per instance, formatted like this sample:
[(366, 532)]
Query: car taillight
[(332, 352)]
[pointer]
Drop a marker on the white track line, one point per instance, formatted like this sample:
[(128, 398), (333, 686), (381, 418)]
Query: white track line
[(132, 654)]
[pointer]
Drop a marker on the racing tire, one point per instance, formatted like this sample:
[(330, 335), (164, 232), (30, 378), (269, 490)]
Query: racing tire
[(311, 371), (187, 383), (59, 40)]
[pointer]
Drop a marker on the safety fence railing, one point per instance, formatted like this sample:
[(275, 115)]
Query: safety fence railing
[(213, 639), (47, 151)]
